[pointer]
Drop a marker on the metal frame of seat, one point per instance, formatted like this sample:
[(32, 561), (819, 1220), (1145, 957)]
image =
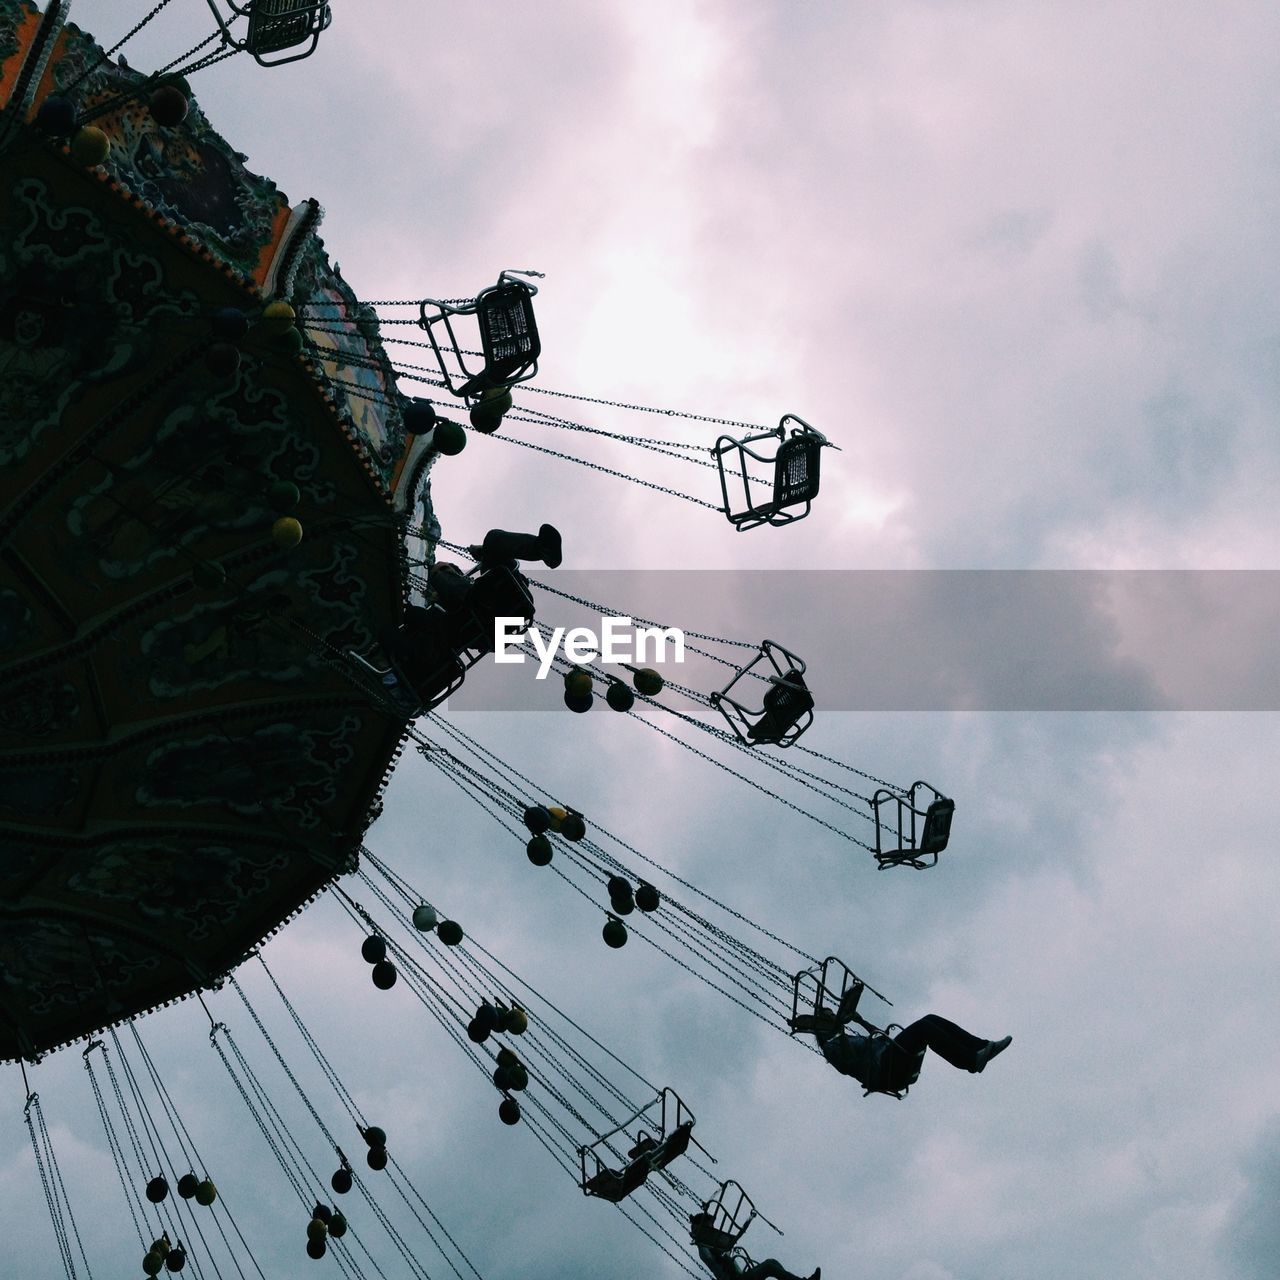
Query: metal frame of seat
[(743, 720), (914, 844), (671, 1113), (797, 469), (509, 339), (274, 26)]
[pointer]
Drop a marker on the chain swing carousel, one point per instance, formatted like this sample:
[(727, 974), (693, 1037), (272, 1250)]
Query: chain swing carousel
[(215, 645)]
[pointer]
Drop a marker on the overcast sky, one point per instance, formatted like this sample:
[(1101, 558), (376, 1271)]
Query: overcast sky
[(1019, 262)]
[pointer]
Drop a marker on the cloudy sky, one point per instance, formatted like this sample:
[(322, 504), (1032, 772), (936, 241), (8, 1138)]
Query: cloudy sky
[(1019, 262)]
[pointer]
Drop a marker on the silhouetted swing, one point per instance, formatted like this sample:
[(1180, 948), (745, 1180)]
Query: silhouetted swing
[(429, 656), (731, 1212), (671, 1123), (786, 709), (919, 833), (509, 340), (796, 466), (822, 989), (274, 27)]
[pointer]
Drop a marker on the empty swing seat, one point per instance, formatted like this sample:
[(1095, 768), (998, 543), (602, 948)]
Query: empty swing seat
[(919, 834), (276, 25), (508, 335), (786, 707), (796, 467), (616, 1185)]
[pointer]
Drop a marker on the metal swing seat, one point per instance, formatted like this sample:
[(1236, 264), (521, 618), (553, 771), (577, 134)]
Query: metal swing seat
[(509, 343), (823, 988), (796, 467), (786, 709), (731, 1213), (916, 832), (667, 1136), (428, 658), (275, 26)]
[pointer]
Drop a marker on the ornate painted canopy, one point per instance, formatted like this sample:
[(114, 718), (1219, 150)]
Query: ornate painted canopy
[(185, 759)]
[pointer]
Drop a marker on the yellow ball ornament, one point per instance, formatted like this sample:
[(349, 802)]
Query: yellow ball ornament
[(90, 146), (278, 317), (286, 533)]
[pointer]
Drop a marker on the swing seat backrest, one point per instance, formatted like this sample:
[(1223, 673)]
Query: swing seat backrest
[(676, 1143), (937, 826), (796, 471), (508, 331), (784, 703), (275, 25)]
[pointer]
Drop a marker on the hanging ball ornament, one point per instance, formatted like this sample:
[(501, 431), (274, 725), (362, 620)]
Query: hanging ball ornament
[(286, 533), (558, 815), (57, 115), (374, 948), (537, 818), (516, 1022), (477, 1033), (647, 898), (573, 827), (283, 495), (222, 360), (168, 105), (316, 1249), (337, 1226), (449, 438), (153, 1262), (384, 975), (90, 146), (506, 1057), (619, 697), (341, 1181), (230, 324), (322, 1211), (317, 1229), (614, 934), (450, 932), (377, 1158), (374, 1136), (206, 1193), (577, 681), (579, 702), (539, 851), (425, 918), (289, 342), (619, 887), (509, 1111), (157, 1189), (278, 317), (487, 1016), (622, 906), (176, 1259), (187, 1185), (420, 416), (647, 681)]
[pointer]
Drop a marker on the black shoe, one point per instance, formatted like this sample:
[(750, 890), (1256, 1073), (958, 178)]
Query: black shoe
[(989, 1051)]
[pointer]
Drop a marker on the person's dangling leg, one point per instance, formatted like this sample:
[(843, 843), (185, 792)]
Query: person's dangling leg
[(950, 1042), (772, 1269)]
